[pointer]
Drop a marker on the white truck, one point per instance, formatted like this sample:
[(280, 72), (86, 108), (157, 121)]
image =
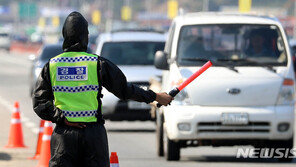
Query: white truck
[(245, 98)]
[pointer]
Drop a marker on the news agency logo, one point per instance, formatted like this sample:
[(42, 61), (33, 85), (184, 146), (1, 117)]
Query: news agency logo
[(266, 153)]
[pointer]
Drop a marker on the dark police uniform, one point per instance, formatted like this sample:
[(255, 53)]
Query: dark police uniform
[(71, 146)]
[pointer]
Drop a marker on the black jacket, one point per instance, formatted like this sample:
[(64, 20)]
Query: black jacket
[(75, 35), (112, 79)]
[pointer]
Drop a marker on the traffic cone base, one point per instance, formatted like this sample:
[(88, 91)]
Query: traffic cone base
[(15, 139), (45, 146), (114, 160), (39, 141), (35, 157)]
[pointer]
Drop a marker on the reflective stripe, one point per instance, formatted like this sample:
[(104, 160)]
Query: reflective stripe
[(41, 129), (73, 59), (47, 124), (75, 89), (46, 137), (15, 121), (80, 113), (16, 110)]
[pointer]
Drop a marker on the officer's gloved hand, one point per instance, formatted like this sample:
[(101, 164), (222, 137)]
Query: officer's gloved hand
[(163, 98), (74, 124)]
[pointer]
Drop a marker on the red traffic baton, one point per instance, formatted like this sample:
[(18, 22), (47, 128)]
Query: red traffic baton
[(176, 90)]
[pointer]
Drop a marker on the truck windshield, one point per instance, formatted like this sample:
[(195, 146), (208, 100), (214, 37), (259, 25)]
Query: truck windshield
[(235, 44), (131, 53)]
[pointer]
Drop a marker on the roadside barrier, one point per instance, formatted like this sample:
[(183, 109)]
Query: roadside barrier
[(15, 139), (39, 141), (20, 47), (45, 146), (114, 160)]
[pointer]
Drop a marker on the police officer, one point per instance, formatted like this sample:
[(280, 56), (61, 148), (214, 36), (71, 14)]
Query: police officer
[(68, 93)]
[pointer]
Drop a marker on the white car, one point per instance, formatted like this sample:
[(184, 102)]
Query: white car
[(5, 40), (245, 98), (133, 52)]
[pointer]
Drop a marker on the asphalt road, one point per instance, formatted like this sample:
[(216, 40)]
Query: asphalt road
[(134, 142)]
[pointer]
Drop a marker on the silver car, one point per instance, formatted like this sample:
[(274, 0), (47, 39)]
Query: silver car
[(133, 52)]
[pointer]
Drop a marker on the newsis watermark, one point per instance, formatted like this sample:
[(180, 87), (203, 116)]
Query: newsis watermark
[(266, 153)]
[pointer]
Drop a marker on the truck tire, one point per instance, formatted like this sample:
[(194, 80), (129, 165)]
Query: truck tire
[(173, 150), (159, 134)]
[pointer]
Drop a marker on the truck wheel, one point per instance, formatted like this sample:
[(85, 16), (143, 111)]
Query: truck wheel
[(159, 134), (173, 150)]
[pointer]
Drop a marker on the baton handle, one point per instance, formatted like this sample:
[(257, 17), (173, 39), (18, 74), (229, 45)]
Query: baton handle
[(172, 93)]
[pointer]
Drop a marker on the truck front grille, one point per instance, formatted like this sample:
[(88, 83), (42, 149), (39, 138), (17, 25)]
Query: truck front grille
[(255, 127)]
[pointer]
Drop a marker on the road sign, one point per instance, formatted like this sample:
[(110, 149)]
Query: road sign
[(126, 13), (41, 22), (27, 10), (172, 9), (244, 6), (55, 21), (96, 17)]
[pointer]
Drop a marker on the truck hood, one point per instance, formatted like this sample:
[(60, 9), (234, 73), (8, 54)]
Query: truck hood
[(219, 86), (139, 73)]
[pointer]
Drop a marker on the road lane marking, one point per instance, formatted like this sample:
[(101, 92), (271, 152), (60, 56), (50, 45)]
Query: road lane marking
[(28, 123), (15, 60), (35, 130)]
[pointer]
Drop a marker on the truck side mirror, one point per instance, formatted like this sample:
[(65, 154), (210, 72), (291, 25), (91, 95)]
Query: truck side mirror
[(160, 60)]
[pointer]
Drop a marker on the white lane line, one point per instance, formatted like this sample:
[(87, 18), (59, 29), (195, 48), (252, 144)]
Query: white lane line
[(24, 118), (15, 60), (28, 123), (35, 130)]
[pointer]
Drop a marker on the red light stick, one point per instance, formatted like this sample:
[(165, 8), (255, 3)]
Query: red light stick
[(176, 90)]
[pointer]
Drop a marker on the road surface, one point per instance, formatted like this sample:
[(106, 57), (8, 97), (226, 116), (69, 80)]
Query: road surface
[(134, 142)]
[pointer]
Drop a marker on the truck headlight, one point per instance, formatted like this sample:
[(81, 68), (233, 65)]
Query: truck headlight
[(181, 98), (286, 95), (184, 126)]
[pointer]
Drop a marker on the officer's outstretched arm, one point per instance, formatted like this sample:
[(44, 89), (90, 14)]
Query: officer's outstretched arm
[(115, 81)]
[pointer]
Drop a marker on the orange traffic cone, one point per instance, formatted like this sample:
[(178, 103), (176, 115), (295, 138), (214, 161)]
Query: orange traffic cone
[(114, 160), (16, 134), (39, 141), (45, 146)]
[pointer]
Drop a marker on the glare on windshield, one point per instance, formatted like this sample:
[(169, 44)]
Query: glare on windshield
[(260, 43)]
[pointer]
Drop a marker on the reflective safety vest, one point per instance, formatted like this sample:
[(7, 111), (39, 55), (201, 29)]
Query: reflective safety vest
[(75, 85)]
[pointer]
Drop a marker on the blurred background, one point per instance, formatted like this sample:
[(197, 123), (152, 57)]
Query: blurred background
[(30, 34), (40, 21)]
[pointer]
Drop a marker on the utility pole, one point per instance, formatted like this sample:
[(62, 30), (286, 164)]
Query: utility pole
[(109, 19), (205, 5), (294, 28)]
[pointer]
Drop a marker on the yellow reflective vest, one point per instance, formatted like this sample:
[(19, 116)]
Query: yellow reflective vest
[(75, 85)]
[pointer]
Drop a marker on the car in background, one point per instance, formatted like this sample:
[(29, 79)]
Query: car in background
[(92, 41), (133, 52), (5, 40), (292, 43), (46, 52), (245, 98)]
